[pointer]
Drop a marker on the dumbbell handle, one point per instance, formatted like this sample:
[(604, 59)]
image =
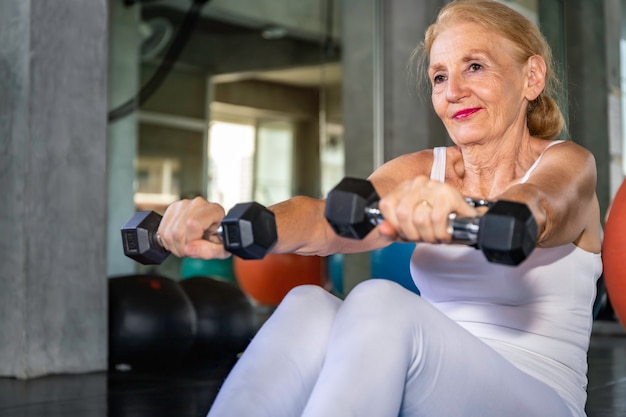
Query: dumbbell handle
[(217, 233), (464, 230)]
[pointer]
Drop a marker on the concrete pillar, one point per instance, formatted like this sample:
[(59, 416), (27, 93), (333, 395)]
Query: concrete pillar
[(612, 36), (551, 18), (383, 115), (53, 286), (591, 77), (307, 170)]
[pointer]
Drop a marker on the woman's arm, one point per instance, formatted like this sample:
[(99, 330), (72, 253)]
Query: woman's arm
[(303, 229), (301, 225), (561, 195)]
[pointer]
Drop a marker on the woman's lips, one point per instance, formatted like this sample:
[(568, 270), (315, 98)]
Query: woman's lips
[(462, 114)]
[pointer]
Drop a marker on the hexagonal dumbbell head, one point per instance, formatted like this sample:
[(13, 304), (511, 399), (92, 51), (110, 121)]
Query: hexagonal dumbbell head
[(249, 230), (346, 207), (507, 233), (139, 238)]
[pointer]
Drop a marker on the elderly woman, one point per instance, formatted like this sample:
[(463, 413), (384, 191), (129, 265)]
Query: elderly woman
[(483, 339)]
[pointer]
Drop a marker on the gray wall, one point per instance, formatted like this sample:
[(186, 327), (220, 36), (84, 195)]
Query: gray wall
[(591, 74), (53, 59)]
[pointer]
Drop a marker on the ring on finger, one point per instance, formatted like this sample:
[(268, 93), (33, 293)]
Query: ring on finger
[(425, 203)]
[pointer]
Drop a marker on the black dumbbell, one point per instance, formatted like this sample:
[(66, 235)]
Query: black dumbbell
[(506, 233), (248, 231)]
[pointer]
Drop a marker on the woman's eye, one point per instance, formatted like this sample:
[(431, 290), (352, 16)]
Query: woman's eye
[(475, 67), (437, 79)]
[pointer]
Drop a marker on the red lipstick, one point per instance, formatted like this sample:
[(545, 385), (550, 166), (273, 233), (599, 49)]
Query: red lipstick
[(462, 114)]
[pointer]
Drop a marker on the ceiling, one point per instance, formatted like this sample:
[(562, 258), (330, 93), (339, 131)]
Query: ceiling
[(311, 76), (301, 18), (294, 56)]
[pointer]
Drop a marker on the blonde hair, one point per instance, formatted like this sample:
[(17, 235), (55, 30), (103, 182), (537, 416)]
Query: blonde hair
[(544, 118)]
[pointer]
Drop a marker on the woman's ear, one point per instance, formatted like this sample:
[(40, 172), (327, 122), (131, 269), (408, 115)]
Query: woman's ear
[(536, 77)]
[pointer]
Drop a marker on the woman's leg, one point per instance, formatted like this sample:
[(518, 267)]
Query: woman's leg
[(275, 375), (392, 353)]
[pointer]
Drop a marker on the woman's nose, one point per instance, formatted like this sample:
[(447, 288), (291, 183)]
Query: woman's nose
[(456, 87)]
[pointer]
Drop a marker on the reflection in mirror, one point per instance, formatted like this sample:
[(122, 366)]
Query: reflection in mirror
[(332, 156), (177, 148), (249, 107), (158, 183), (274, 64)]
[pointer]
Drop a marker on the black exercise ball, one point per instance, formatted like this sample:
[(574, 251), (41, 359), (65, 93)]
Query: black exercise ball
[(226, 318), (152, 323)]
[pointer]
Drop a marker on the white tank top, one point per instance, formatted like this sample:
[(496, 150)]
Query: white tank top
[(537, 314)]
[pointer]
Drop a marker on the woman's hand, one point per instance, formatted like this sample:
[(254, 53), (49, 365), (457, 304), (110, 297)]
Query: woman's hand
[(184, 224), (418, 211)]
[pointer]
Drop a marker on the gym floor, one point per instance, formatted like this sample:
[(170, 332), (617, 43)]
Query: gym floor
[(189, 391)]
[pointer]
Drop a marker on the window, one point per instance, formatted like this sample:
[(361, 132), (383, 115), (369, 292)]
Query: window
[(248, 162), (274, 161), (157, 183), (231, 157)]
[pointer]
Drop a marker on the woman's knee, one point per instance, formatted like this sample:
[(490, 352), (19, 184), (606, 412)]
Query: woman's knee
[(380, 291), (381, 300), (303, 319), (312, 300)]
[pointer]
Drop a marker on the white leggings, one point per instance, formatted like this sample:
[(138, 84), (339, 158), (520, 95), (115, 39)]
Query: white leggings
[(384, 351)]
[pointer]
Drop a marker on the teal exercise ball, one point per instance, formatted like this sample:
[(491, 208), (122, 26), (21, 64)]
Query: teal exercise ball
[(221, 269), (392, 263), (334, 265)]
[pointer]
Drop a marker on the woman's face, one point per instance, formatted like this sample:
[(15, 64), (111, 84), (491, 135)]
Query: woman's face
[(478, 90)]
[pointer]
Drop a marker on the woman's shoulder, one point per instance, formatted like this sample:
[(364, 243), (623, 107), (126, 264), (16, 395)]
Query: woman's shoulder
[(426, 157), (410, 164), (561, 145), (569, 152), (402, 168)]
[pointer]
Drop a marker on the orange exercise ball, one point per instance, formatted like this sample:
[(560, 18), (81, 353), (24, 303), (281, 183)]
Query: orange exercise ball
[(614, 253), (268, 280)]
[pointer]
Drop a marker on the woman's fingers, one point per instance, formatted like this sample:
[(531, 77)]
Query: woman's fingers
[(183, 227), (419, 210)]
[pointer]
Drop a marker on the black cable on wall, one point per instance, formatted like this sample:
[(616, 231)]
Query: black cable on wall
[(171, 56)]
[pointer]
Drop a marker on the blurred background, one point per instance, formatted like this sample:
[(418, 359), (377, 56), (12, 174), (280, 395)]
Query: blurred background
[(113, 106), (249, 108)]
